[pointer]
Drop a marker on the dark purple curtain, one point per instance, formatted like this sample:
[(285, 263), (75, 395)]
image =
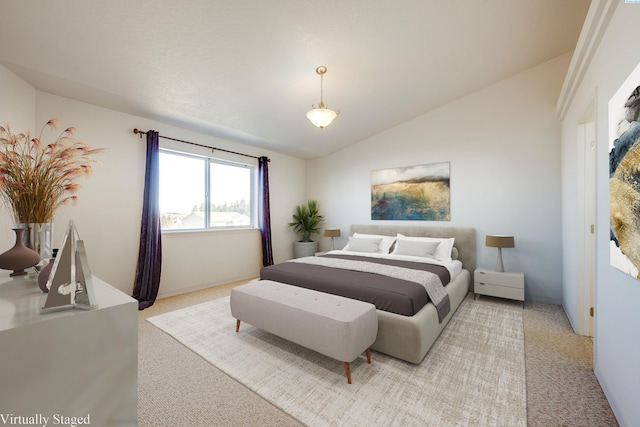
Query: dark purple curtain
[(264, 212), (147, 279)]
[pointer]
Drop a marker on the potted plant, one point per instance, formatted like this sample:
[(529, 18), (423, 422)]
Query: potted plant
[(36, 177), (306, 221)]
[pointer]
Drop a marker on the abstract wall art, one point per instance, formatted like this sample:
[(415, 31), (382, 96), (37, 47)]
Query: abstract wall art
[(624, 189), (411, 193)]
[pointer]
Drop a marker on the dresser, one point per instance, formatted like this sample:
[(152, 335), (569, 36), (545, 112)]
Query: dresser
[(505, 284), (68, 364)]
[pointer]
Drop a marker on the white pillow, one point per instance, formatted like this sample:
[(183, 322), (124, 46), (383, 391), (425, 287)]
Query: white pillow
[(385, 244), (415, 248), (442, 252), (363, 244)]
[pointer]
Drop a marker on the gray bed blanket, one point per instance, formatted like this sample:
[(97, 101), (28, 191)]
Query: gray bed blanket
[(431, 282), (391, 285)]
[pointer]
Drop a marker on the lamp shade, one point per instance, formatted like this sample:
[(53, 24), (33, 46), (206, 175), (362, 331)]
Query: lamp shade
[(497, 241), (331, 232), (321, 117)]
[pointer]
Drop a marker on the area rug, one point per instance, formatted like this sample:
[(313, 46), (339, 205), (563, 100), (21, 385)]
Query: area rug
[(473, 375)]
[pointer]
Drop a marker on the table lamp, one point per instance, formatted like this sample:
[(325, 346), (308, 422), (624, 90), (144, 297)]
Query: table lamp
[(332, 232), (497, 241)]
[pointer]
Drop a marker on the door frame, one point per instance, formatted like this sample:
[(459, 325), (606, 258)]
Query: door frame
[(586, 245)]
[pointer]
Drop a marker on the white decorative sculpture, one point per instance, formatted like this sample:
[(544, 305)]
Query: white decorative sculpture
[(69, 282)]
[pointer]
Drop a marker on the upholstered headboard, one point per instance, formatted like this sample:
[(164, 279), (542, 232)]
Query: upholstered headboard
[(465, 237)]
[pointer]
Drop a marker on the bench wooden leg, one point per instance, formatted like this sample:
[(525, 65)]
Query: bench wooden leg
[(237, 325), (347, 365), (347, 370)]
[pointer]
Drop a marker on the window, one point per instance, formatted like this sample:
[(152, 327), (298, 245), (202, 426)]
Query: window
[(199, 193)]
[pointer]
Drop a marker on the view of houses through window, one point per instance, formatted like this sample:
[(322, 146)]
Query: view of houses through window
[(198, 192)]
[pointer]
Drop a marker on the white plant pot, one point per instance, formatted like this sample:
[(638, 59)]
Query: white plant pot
[(303, 249)]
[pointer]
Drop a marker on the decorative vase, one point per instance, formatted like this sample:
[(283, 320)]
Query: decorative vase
[(19, 256), (39, 238)]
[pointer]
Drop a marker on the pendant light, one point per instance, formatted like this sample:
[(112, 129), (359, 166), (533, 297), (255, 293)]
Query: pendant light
[(321, 116)]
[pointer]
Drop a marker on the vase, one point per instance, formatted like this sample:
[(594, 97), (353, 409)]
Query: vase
[(19, 256), (39, 238)]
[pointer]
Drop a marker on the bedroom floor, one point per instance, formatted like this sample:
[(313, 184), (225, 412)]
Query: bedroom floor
[(562, 389), (177, 387)]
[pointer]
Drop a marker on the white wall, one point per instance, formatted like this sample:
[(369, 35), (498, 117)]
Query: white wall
[(109, 206), (17, 110), (617, 317), (17, 103), (503, 143)]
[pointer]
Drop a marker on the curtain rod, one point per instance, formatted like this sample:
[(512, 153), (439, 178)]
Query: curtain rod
[(141, 132)]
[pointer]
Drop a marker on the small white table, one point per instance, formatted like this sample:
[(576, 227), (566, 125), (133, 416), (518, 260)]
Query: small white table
[(505, 284), (70, 363)]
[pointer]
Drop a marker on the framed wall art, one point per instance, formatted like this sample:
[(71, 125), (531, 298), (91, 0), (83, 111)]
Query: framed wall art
[(411, 193), (624, 188)]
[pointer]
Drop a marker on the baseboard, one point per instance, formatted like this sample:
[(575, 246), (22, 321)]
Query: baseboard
[(204, 286)]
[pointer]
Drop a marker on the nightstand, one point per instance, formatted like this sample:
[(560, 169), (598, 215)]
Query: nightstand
[(499, 284)]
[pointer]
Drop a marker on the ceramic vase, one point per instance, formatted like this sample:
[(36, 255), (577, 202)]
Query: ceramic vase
[(39, 238), (19, 256)]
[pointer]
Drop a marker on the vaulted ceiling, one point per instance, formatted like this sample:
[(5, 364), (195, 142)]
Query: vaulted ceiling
[(245, 69)]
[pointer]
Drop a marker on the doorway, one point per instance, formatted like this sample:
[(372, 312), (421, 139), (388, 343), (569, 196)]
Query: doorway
[(587, 148)]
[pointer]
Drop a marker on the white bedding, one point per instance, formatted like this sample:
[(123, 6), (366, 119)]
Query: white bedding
[(454, 267)]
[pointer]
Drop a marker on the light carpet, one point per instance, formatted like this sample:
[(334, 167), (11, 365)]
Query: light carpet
[(473, 375)]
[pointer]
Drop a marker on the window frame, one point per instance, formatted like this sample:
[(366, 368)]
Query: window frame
[(207, 161)]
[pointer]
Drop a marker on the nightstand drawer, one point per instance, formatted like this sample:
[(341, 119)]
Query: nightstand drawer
[(511, 280), (499, 291), (499, 284)]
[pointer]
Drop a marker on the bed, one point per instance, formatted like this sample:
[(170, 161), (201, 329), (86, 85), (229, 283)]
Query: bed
[(408, 321)]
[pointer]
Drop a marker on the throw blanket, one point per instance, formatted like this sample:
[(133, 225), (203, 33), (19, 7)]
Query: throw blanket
[(431, 282)]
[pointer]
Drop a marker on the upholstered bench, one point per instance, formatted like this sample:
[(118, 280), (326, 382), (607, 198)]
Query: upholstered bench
[(338, 327)]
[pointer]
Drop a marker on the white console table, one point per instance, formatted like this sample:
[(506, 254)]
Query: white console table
[(70, 363)]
